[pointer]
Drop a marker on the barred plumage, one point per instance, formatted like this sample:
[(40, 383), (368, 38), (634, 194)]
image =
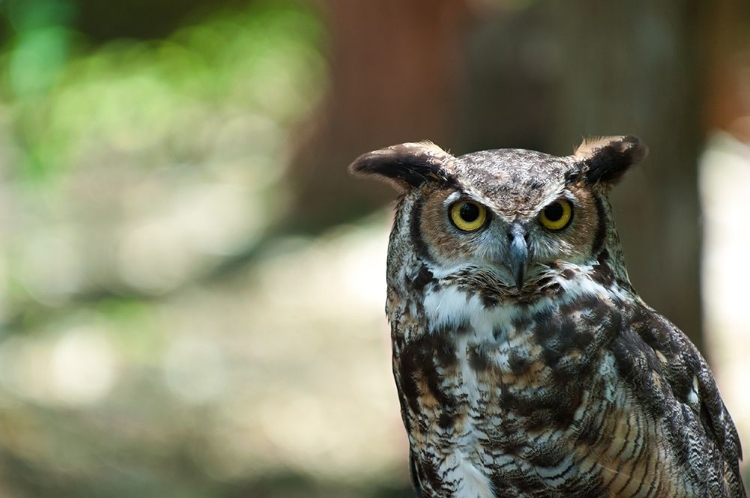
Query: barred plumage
[(525, 362)]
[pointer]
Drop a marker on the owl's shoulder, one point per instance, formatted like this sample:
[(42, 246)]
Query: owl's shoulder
[(672, 381)]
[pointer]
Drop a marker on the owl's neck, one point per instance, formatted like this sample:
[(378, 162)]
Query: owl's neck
[(479, 297)]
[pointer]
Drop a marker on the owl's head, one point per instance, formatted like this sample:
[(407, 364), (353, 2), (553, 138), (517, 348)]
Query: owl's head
[(518, 212)]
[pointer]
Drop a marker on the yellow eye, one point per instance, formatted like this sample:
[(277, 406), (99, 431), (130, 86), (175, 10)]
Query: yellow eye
[(468, 216), (557, 215)]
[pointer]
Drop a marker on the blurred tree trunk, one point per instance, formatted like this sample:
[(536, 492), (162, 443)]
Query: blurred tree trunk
[(395, 69), (637, 68), (728, 90)]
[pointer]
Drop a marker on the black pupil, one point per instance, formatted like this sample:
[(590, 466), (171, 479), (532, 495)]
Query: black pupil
[(469, 212), (554, 212)]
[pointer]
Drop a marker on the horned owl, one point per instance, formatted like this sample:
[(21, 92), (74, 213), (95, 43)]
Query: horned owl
[(525, 362)]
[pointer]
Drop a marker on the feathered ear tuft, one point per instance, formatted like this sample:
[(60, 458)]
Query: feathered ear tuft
[(404, 166), (606, 159)]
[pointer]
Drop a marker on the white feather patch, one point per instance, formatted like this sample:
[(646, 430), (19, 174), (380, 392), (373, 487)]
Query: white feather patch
[(448, 307), (693, 395), (471, 482)]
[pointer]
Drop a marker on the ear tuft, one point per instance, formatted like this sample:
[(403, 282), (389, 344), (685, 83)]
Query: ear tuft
[(404, 166), (606, 159)]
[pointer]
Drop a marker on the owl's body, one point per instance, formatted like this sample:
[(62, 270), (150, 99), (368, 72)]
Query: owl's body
[(525, 362)]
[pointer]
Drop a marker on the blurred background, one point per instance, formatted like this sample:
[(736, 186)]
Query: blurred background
[(192, 288)]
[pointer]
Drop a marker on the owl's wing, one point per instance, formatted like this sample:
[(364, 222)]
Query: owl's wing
[(700, 431)]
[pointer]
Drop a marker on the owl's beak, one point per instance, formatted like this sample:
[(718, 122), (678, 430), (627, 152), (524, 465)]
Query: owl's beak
[(518, 252)]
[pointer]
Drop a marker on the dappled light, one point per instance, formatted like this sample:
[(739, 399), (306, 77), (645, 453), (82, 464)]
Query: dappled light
[(192, 289)]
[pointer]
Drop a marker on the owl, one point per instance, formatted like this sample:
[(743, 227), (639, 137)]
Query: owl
[(525, 362)]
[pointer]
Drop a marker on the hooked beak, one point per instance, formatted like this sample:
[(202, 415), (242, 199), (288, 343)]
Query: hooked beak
[(518, 253)]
